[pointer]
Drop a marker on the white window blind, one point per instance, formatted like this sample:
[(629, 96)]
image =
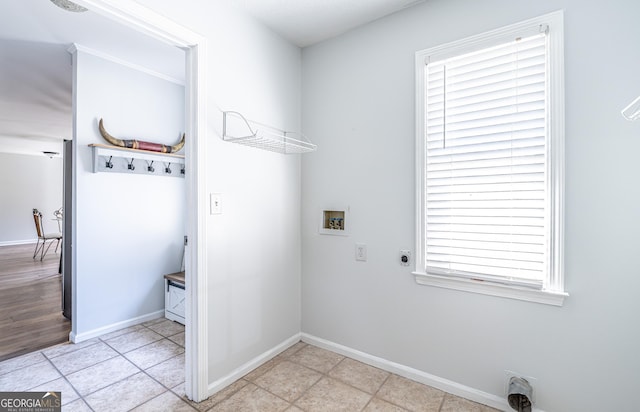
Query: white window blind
[(485, 182)]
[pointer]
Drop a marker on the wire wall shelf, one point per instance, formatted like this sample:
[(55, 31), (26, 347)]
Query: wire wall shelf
[(263, 137)]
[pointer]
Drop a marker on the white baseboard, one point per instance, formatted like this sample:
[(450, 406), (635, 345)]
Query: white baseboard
[(238, 373), (413, 374), (81, 337), (18, 242)]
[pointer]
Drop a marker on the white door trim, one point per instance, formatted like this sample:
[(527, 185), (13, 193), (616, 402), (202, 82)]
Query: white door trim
[(143, 19)]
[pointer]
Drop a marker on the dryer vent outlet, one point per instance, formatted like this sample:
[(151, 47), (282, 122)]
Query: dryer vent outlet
[(520, 394)]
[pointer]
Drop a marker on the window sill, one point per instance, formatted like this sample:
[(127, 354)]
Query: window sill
[(492, 289)]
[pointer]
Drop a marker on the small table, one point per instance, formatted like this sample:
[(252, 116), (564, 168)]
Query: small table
[(174, 297)]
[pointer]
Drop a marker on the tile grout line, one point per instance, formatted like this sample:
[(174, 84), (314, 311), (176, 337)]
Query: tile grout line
[(288, 359), (134, 331), (229, 395), (124, 354), (66, 353), (388, 400), (442, 402), (118, 381), (22, 367), (326, 375), (306, 390), (257, 386), (163, 393), (167, 389), (375, 394), (86, 367), (163, 385), (67, 380)]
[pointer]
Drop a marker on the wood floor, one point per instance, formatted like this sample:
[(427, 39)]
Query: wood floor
[(30, 301)]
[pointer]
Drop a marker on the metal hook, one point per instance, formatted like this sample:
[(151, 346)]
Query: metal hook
[(182, 170), (150, 167), (167, 168), (130, 166), (109, 164)]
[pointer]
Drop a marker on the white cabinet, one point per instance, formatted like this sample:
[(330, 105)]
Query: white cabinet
[(174, 297)]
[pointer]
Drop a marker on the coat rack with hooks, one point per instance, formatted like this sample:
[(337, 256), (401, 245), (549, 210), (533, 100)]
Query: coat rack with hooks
[(262, 136), (115, 159)]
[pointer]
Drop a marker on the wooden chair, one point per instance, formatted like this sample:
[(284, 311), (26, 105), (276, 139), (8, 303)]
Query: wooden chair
[(37, 218)]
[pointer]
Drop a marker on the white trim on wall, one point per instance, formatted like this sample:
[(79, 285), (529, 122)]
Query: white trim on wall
[(81, 337), (78, 47), (18, 242), (145, 20), (197, 364)]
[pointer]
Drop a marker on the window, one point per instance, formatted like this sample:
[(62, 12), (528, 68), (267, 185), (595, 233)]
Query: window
[(490, 154)]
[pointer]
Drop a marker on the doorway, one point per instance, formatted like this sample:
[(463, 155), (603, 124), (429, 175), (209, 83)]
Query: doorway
[(30, 290), (132, 15), (33, 74)]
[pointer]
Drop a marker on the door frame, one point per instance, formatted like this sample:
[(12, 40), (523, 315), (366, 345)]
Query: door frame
[(67, 230), (145, 20)]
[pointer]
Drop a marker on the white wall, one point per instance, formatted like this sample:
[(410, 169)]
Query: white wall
[(358, 105), (254, 245), (129, 228), (28, 182)]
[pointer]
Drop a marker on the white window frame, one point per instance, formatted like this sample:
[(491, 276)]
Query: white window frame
[(552, 292)]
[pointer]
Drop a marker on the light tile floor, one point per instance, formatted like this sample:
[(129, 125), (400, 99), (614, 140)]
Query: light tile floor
[(141, 368)]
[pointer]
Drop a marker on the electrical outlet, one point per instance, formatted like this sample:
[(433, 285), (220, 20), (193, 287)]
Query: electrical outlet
[(405, 257), (361, 252)]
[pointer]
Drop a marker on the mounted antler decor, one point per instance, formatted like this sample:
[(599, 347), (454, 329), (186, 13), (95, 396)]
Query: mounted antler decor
[(138, 144), (122, 156)]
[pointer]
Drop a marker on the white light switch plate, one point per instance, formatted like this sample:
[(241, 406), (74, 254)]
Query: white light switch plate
[(216, 203), (361, 252)]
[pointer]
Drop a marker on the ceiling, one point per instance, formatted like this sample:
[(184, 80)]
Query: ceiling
[(306, 22), (35, 74)]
